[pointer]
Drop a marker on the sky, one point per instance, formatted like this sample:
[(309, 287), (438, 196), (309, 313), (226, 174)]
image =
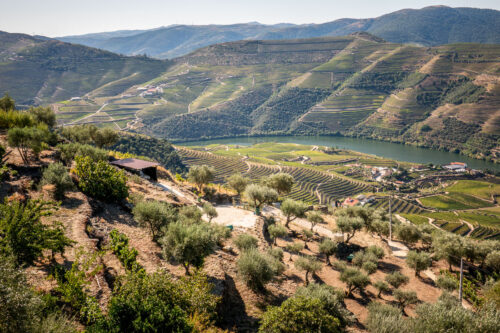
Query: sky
[(71, 17)]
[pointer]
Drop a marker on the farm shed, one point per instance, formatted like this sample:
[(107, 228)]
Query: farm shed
[(138, 166)]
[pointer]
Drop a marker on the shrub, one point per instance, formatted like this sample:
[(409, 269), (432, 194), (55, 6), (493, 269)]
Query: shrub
[(292, 209), (299, 314), (328, 248), (100, 180), (308, 264), (331, 298), (396, 279), (156, 303), (447, 283), (376, 251), (12, 118), (275, 231), (369, 267), (105, 137), (354, 279), (126, 255), (19, 305), (57, 175), (339, 265), (257, 269), (24, 236), (493, 261), (44, 115), (154, 215), (419, 261), (245, 241), (189, 244), (276, 253), (383, 318), (70, 150), (201, 175)]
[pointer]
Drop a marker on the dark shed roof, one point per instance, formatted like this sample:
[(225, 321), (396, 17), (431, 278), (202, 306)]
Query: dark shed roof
[(134, 164)]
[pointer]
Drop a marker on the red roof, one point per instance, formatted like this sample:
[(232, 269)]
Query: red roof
[(350, 202), (134, 164)]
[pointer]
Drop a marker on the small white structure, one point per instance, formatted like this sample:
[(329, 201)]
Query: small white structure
[(75, 99), (456, 166)]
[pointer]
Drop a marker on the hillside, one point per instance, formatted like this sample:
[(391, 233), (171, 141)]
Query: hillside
[(358, 85), (429, 26), (36, 71)]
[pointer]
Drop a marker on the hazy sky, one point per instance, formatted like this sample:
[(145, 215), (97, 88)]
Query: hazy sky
[(67, 17)]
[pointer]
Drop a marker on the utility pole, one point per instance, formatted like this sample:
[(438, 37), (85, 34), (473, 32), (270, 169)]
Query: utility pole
[(460, 287), (390, 217)]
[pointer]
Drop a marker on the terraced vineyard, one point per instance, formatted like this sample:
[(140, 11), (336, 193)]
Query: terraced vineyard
[(341, 112), (310, 185), (224, 166), (398, 206)]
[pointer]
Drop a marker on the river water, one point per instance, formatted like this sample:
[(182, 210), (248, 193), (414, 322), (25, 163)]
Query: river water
[(389, 150)]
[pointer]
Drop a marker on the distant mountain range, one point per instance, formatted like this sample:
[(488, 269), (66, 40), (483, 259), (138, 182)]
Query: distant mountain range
[(429, 26)]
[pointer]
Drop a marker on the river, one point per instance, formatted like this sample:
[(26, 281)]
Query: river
[(385, 149)]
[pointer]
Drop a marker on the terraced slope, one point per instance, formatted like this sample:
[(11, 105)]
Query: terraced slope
[(310, 185)]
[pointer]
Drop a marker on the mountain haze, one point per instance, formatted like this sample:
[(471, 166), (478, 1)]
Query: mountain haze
[(429, 26)]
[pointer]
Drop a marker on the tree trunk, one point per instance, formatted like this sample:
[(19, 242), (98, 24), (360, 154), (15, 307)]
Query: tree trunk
[(186, 267), (307, 278), (328, 260)]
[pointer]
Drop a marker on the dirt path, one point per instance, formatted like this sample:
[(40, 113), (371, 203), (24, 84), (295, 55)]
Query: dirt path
[(237, 217)]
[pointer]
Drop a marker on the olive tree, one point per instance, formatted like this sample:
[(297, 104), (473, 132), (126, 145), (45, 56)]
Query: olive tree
[(294, 248), (382, 287), (328, 247), (238, 183), (257, 269), (154, 215), (354, 279), (189, 244), (210, 211), (449, 247), (276, 231), (281, 182), (408, 234), (105, 137), (293, 209), (201, 175), (314, 218), (396, 279), (258, 195), (308, 264), (419, 261), (405, 298), (349, 225), (492, 261)]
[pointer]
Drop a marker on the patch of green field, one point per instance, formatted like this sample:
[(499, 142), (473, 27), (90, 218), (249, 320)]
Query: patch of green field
[(476, 188), (454, 201), (416, 219)]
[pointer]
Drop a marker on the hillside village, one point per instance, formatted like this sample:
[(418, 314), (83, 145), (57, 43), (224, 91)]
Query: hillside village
[(97, 236)]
